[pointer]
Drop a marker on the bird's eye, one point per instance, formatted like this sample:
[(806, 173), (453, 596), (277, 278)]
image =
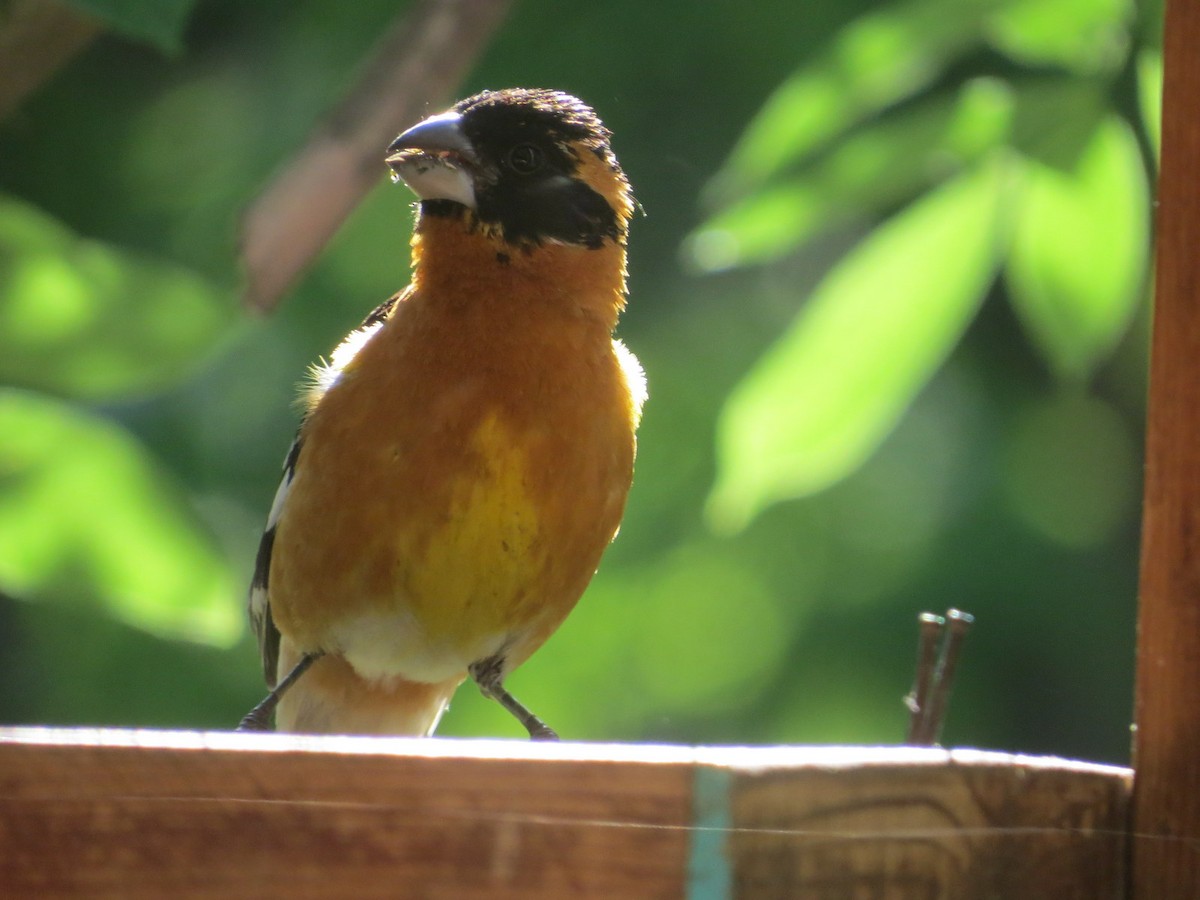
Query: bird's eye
[(525, 159)]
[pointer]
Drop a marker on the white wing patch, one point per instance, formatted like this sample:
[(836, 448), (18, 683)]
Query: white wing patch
[(281, 493), (259, 601)]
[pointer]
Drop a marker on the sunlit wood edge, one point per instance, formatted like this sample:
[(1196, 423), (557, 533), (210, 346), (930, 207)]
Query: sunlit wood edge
[(736, 757)]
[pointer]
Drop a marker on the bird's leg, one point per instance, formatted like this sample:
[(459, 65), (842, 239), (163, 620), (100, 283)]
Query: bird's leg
[(487, 674), (259, 718)]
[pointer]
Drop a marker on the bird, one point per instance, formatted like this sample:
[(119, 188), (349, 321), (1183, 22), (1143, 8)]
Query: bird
[(465, 456)]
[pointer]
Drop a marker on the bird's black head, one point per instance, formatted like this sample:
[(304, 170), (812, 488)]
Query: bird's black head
[(532, 166)]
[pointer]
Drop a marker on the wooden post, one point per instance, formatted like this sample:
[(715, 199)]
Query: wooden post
[(1166, 808)]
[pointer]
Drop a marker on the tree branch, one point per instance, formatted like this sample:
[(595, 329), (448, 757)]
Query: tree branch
[(418, 63), (38, 37)]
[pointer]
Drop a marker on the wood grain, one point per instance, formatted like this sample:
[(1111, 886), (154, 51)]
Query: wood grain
[(104, 820), (1166, 820), (983, 826), (189, 814)]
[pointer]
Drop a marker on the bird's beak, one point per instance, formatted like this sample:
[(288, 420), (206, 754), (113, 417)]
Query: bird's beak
[(434, 158)]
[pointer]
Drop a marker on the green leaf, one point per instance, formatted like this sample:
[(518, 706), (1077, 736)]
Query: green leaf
[(1150, 76), (82, 318), (690, 595), (866, 174), (1056, 117), (1086, 36), (86, 517), (1078, 259), (1071, 469), (826, 394), (877, 60), (156, 22)]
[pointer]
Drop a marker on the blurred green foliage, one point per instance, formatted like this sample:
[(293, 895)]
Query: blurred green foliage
[(1061, 202), (157, 22), (890, 294)]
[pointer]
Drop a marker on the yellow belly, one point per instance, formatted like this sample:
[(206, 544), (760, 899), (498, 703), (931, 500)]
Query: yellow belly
[(477, 571), (420, 569)]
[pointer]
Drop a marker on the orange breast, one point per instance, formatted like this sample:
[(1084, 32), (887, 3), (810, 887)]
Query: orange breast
[(461, 479)]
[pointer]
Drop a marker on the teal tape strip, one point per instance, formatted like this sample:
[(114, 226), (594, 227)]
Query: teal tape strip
[(709, 875)]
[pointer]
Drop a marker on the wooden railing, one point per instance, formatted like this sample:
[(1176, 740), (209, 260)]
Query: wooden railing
[(138, 814)]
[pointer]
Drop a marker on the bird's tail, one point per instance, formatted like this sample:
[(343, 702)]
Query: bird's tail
[(331, 698)]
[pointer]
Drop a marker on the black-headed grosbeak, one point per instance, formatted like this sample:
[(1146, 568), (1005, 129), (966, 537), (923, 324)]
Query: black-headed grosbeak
[(466, 454)]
